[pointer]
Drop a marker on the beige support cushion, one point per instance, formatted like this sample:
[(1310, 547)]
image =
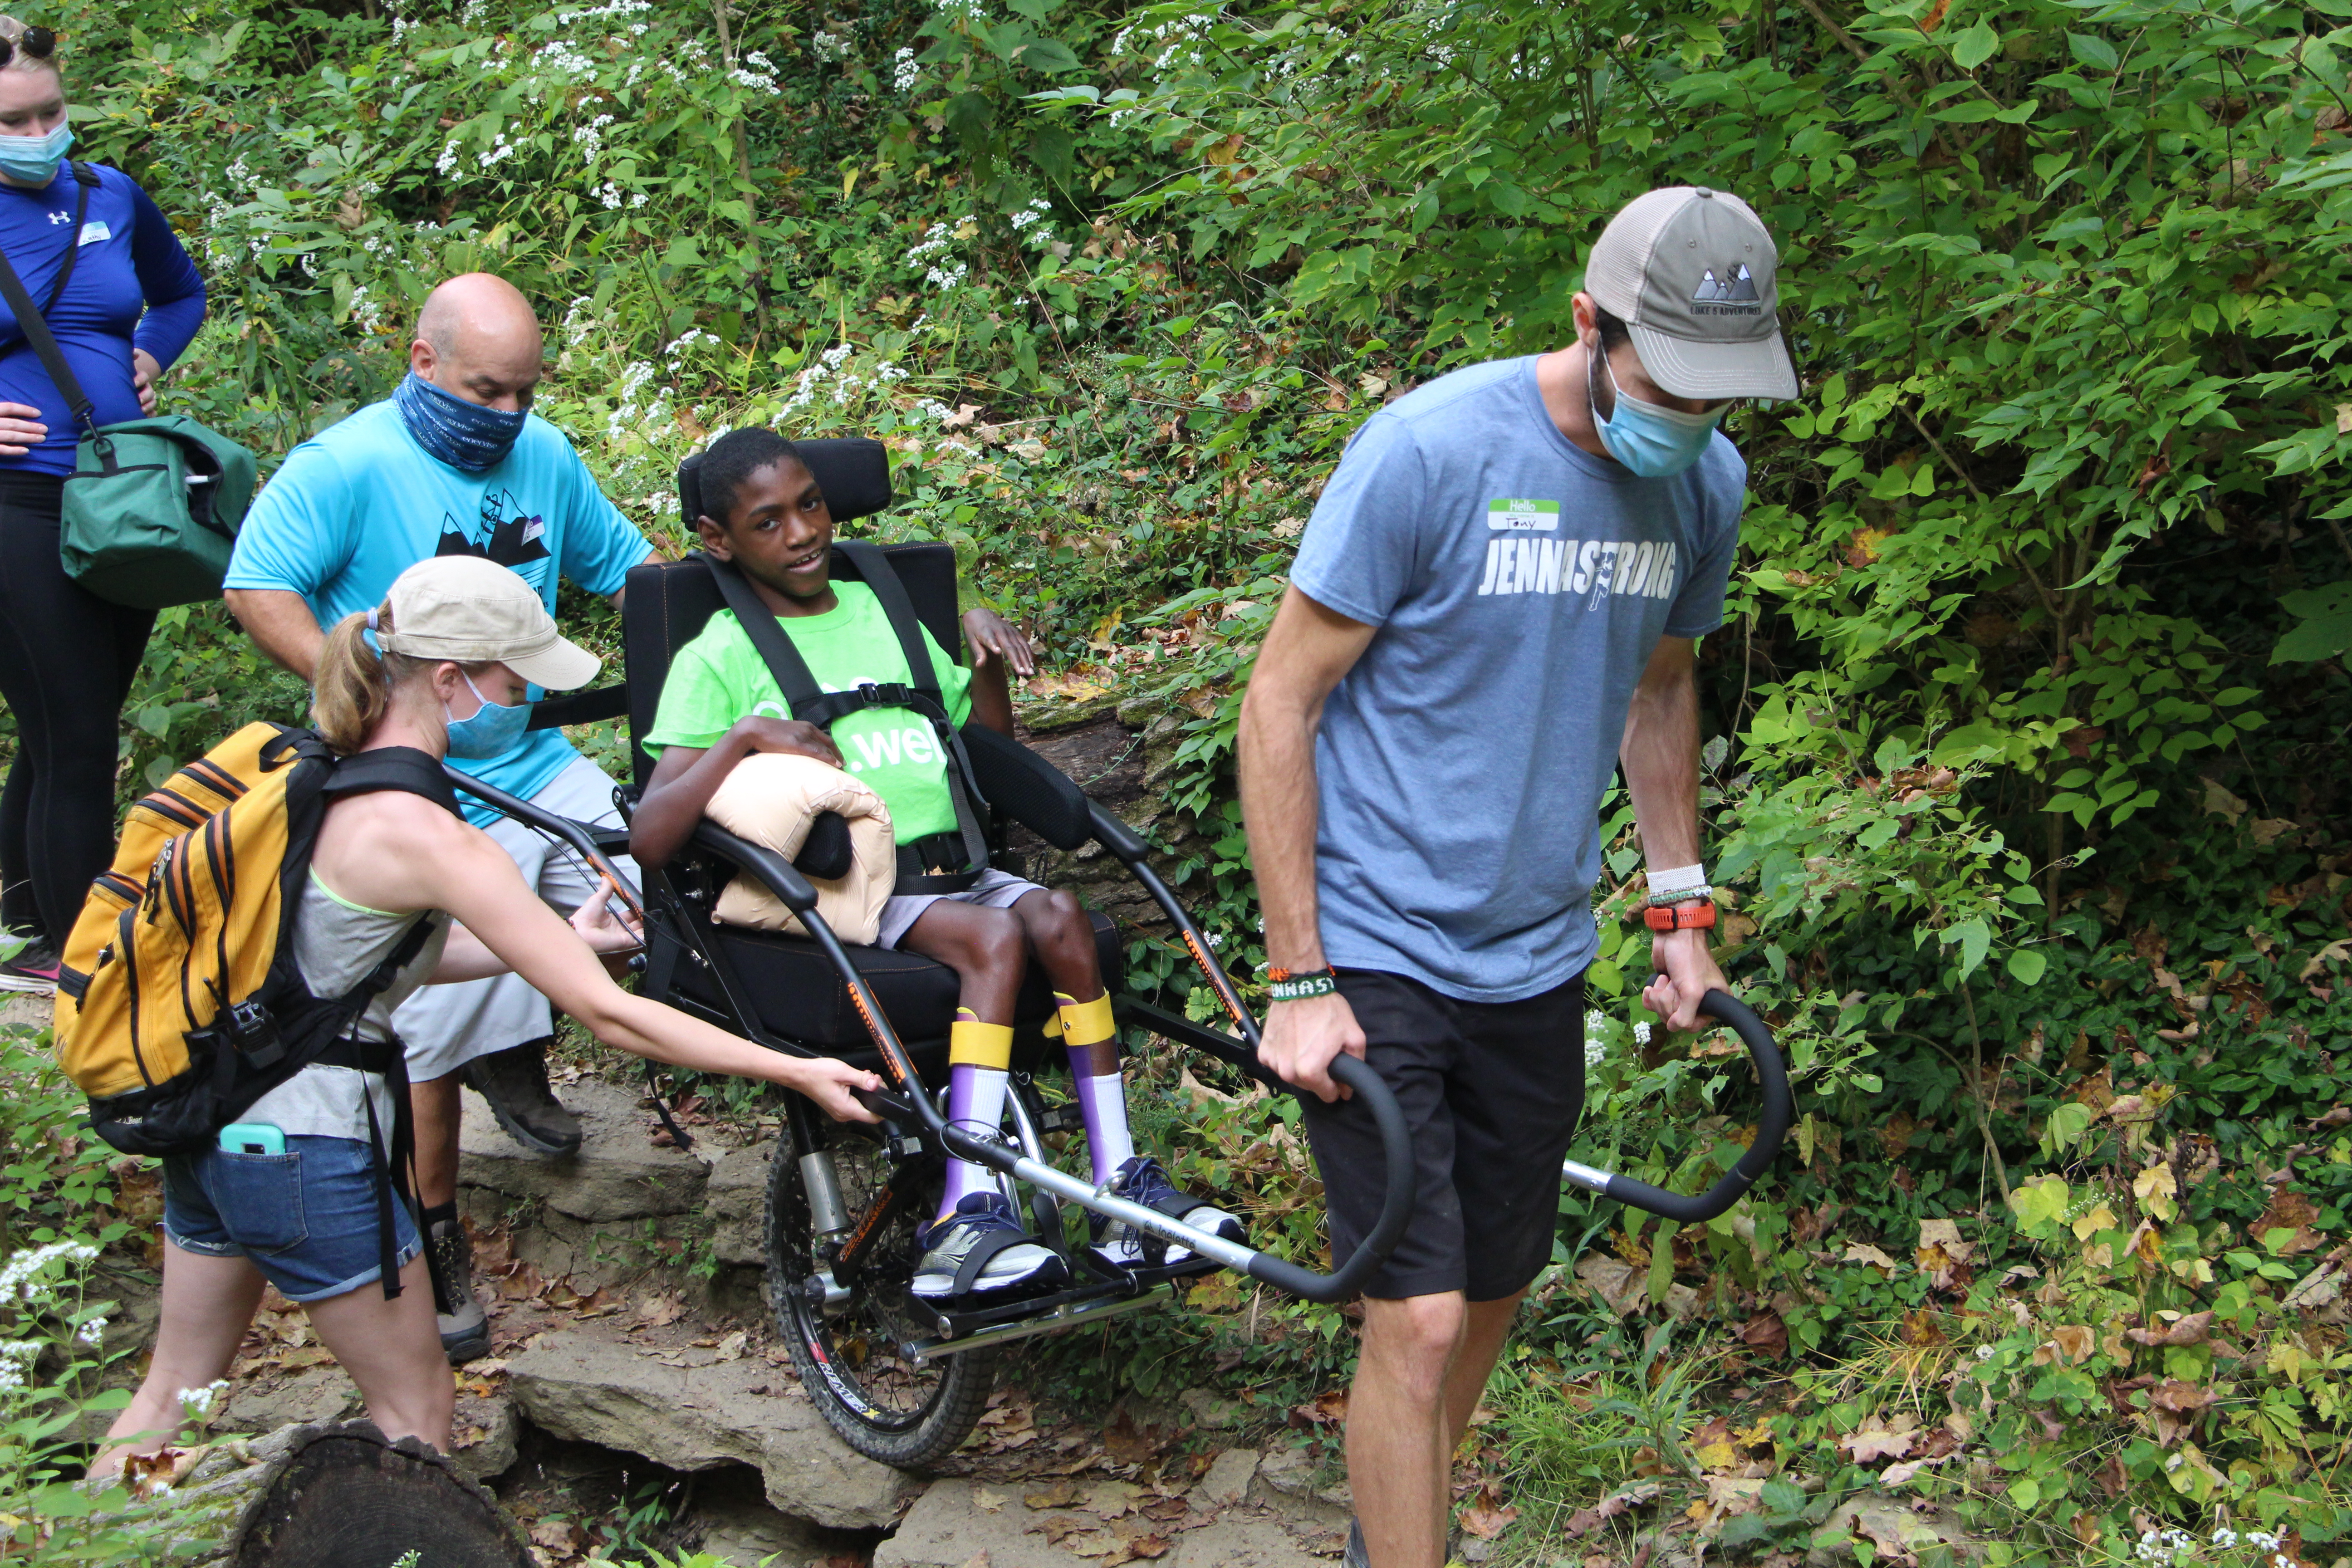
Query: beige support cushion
[(769, 799)]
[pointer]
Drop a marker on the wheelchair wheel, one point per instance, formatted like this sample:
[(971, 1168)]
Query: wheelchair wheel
[(904, 1414)]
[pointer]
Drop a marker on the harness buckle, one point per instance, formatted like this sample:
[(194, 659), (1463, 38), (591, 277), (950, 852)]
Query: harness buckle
[(886, 693)]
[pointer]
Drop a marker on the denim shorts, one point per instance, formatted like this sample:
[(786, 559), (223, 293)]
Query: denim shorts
[(306, 1218)]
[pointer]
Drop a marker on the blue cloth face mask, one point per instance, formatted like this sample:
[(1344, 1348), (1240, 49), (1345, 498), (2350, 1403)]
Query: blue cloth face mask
[(490, 731), (1654, 441), (466, 435), (33, 160)]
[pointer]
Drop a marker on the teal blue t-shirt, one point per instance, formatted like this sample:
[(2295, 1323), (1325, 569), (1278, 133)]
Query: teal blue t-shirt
[(361, 502)]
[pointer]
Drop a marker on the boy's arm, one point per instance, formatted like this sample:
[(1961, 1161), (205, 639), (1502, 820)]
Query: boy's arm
[(996, 645), (687, 777)]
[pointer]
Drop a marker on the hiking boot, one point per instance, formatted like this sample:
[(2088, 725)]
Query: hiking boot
[(465, 1329), (33, 970), (1114, 1244), (979, 1257), (514, 1082)]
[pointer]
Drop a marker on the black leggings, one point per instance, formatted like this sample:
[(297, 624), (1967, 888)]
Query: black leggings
[(66, 659)]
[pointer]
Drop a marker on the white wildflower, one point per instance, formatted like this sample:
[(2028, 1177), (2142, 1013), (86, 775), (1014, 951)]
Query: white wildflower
[(17, 1281), (601, 13), (1641, 1034), (589, 140), (93, 1332), (16, 1358), (828, 46), (610, 195), (448, 159), (904, 71), (196, 1403), (755, 81)]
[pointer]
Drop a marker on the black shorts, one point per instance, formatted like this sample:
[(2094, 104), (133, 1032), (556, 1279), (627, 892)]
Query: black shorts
[(1492, 1092)]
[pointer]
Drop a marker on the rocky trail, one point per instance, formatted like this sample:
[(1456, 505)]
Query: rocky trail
[(636, 1389)]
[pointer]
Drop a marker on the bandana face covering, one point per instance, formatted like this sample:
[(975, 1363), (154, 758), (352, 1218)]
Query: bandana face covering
[(1652, 441), (466, 435)]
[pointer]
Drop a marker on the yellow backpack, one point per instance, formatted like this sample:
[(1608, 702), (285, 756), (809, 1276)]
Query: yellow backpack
[(179, 1001)]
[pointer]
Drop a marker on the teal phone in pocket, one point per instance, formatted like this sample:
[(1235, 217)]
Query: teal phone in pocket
[(252, 1138)]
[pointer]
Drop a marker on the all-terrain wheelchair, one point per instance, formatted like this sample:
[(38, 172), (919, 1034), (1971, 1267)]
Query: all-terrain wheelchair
[(902, 1381)]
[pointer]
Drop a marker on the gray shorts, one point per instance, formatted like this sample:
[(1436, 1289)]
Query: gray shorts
[(995, 891)]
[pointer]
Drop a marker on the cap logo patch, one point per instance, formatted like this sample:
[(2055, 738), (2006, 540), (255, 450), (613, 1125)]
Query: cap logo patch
[(1734, 295)]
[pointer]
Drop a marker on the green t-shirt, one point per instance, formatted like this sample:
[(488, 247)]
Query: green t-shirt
[(720, 678)]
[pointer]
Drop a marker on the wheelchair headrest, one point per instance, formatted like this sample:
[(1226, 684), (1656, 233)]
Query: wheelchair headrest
[(853, 472)]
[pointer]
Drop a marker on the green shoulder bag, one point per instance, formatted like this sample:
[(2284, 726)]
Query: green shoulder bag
[(151, 508)]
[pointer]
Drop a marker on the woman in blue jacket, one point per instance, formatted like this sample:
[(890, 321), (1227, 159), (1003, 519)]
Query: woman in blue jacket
[(131, 304)]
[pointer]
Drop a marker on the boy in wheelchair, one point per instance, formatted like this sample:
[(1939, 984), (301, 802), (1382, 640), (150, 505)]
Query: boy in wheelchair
[(765, 512)]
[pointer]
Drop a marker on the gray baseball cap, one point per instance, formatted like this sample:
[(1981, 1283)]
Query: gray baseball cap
[(1692, 272)]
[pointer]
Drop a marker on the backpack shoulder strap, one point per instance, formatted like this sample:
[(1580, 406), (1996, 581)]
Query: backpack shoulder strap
[(402, 768), (784, 662)]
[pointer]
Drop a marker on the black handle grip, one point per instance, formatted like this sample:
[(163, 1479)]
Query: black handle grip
[(1396, 1202), (1771, 1130)]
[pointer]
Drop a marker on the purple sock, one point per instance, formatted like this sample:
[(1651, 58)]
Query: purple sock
[(1102, 1101)]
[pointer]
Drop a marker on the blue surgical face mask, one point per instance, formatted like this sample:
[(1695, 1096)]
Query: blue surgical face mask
[(490, 731), (1652, 441), (466, 435), (33, 160)]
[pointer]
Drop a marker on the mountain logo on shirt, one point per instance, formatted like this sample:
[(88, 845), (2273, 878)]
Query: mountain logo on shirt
[(503, 534)]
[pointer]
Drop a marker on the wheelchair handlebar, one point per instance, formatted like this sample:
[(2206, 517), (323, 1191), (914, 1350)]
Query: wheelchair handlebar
[(1771, 1130), (579, 837)]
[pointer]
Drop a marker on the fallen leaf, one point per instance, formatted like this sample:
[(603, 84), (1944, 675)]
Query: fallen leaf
[(2074, 1343), (2290, 1211), (1876, 1442), (1765, 1334), (1052, 1494), (1585, 1521), (1861, 1252), (1486, 1523), (2188, 1331), (2180, 1398), (984, 1498)]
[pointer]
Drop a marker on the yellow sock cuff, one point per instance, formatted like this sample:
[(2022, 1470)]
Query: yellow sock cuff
[(1086, 1023), (979, 1045)]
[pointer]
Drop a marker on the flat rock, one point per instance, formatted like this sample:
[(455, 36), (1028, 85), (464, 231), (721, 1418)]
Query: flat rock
[(956, 1521), (1228, 1480), (616, 1174), (485, 1433), (1286, 1480), (737, 1201), (744, 1532), (693, 1417)]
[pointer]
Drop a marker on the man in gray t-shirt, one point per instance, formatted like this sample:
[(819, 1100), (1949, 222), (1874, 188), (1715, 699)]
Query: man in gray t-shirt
[(1494, 608)]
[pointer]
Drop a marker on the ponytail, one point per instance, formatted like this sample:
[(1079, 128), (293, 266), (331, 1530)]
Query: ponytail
[(352, 690)]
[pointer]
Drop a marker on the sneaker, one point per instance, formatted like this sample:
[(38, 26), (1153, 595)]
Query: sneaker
[(514, 1082), (1358, 1554), (34, 970), (1117, 1245), (465, 1329), (982, 1248)]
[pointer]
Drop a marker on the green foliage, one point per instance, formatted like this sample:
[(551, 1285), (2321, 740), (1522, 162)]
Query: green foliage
[(1116, 282)]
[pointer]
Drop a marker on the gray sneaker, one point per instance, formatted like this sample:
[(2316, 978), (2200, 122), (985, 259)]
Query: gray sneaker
[(979, 1257), (465, 1328), (1356, 1554)]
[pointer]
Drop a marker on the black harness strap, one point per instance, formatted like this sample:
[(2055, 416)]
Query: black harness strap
[(32, 321), (920, 695)]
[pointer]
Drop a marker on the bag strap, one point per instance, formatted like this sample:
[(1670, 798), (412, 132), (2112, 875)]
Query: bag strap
[(36, 326), (401, 768), (784, 662)]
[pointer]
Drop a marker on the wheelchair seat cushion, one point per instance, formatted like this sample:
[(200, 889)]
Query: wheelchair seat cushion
[(791, 985)]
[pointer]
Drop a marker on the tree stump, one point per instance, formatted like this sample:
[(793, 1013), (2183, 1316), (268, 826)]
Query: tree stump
[(343, 1494)]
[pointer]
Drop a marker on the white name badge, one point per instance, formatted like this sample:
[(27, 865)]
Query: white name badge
[(1523, 516), (94, 231)]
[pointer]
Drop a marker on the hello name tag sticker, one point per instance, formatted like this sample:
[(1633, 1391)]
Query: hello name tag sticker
[(94, 231), (1523, 516)]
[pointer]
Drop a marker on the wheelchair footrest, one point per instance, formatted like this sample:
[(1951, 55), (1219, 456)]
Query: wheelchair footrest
[(960, 1332)]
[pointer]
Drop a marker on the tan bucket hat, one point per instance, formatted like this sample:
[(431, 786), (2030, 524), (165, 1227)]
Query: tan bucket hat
[(467, 609)]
